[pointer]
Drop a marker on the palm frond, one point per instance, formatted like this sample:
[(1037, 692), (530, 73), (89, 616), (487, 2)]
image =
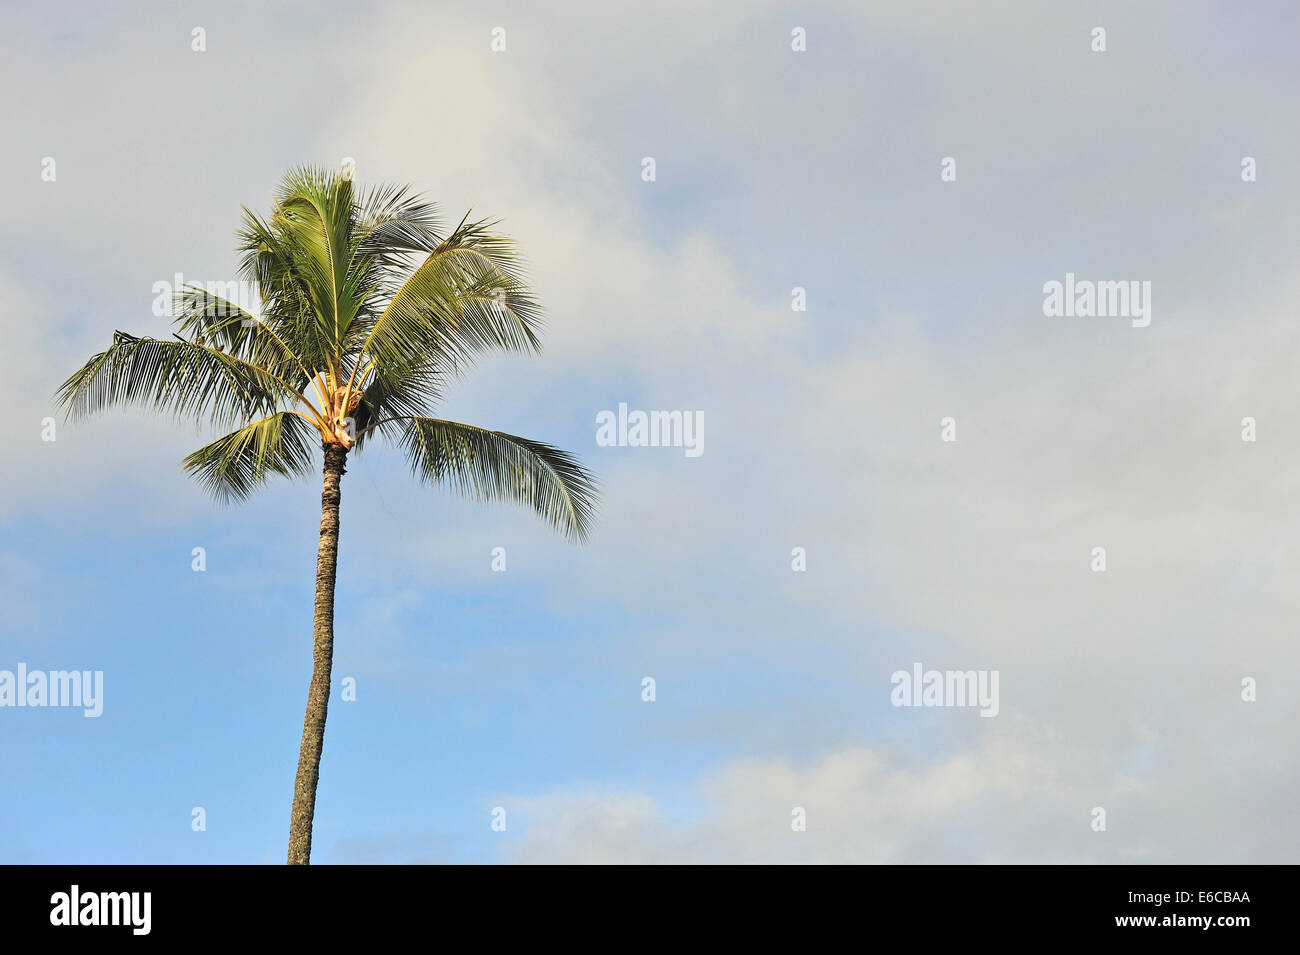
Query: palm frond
[(270, 260), (468, 296), (388, 399), (203, 316), (391, 219), (493, 466), (235, 465), (181, 377)]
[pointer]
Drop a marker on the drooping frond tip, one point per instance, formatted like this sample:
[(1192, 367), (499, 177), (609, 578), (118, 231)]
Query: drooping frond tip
[(493, 466)]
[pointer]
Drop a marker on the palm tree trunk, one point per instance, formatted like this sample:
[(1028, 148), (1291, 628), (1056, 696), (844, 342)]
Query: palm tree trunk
[(318, 692)]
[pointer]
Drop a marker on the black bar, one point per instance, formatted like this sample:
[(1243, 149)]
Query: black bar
[(322, 903)]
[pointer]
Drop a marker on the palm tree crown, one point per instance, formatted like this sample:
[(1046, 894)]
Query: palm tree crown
[(368, 309)]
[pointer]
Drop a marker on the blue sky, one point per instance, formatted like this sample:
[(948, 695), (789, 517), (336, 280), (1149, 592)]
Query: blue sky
[(775, 169)]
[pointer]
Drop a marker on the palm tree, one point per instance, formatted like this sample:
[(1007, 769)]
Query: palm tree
[(368, 310)]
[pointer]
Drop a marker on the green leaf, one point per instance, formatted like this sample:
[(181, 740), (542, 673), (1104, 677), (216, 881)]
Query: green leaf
[(181, 377), (232, 467), (467, 297), (493, 466)]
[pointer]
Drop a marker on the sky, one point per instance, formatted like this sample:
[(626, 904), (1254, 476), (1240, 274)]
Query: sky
[(1161, 690)]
